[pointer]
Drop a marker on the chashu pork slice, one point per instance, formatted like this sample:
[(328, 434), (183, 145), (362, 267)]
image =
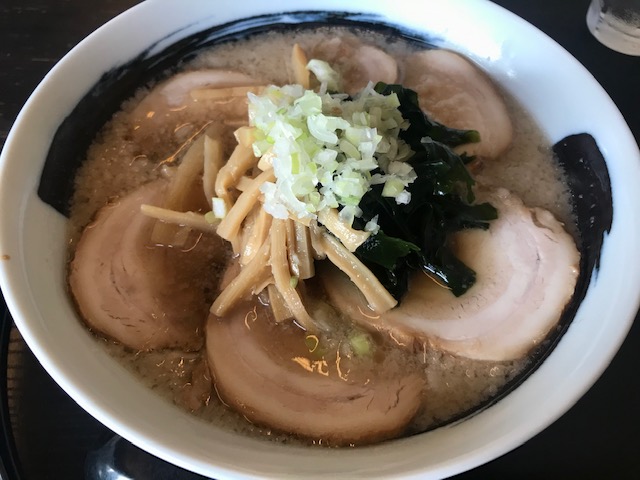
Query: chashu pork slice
[(174, 92), (456, 93), (143, 296), (171, 102), (266, 372), (526, 268)]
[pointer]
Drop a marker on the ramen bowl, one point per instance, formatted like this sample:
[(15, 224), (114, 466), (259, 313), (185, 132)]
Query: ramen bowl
[(79, 95)]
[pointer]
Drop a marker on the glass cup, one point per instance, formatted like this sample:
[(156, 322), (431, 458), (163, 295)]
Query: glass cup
[(616, 24)]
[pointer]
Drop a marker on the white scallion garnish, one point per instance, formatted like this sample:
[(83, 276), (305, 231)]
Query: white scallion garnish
[(324, 148)]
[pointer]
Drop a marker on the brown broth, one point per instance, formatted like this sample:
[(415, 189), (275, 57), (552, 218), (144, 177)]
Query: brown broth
[(127, 153)]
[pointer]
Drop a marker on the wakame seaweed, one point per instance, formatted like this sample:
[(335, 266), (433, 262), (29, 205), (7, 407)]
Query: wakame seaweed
[(415, 236)]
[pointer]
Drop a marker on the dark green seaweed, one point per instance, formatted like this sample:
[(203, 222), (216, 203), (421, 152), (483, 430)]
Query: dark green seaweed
[(415, 236)]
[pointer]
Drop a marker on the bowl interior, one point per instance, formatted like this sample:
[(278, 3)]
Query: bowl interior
[(559, 93)]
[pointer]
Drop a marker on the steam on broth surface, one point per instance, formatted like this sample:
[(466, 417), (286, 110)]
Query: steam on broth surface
[(149, 140)]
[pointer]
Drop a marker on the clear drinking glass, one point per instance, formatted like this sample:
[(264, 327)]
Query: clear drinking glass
[(616, 24)]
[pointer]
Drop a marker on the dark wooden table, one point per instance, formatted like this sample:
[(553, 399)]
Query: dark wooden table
[(598, 438)]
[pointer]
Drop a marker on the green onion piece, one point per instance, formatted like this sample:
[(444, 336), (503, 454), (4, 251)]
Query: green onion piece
[(361, 344), (218, 208), (210, 217)]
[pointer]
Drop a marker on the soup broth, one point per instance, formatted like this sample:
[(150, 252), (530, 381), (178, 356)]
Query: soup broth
[(139, 146)]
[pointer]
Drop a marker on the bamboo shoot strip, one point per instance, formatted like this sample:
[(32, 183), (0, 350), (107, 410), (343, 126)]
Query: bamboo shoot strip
[(299, 62), (241, 160), (250, 277), (279, 308), (282, 276), (186, 219), (225, 93), (230, 225), (257, 236), (350, 237), (213, 162), (180, 190), (304, 251), (380, 300)]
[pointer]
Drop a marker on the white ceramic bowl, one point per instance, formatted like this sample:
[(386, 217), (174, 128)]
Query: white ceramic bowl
[(561, 95)]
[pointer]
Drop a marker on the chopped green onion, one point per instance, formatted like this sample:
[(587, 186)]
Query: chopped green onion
[(218, 207), (392, 187), (325, 74), (324, 147), (361, 344), (210, 218)]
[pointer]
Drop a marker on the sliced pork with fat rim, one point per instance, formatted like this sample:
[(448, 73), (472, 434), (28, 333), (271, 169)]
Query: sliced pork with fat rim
[(526, 266), (173, 98), (175, 92), (143, 296), (267, 372), (456, 93)]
